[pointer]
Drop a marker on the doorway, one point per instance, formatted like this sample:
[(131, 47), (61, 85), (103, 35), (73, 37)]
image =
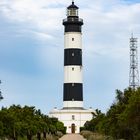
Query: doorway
[(73, 128)]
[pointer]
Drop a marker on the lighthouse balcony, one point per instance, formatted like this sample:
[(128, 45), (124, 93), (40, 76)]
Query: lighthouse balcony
[(72, 20)]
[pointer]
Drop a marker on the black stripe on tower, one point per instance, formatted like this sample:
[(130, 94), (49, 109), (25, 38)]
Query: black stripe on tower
[(73, 92), (73, 24), (73, 57)]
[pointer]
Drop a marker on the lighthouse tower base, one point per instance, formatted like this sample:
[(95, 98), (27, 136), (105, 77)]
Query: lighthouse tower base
[(73, 118)]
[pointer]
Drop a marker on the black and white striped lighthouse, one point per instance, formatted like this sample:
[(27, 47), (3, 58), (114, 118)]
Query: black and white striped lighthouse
[(73, 85), (73, 114)]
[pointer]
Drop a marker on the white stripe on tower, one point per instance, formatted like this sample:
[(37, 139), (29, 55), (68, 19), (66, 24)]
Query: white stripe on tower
[(76, 43), (73, 74)]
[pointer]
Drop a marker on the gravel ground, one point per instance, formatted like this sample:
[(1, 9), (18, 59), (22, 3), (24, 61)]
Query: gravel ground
[(72, 137)]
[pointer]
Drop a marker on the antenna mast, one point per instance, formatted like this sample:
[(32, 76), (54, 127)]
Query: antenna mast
[(134, 73)]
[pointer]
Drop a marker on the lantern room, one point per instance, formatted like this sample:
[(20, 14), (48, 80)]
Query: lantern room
[(72, 10)]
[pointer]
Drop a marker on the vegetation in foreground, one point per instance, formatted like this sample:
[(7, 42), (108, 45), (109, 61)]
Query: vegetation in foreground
[(122, 120), (88, 135), (26, 122)]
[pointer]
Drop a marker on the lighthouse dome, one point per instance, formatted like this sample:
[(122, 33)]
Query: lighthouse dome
[(72, 6)]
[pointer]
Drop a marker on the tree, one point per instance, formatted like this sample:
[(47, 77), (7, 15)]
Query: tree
[(17, 121), (122, 120), (60, 127), (1, 128)]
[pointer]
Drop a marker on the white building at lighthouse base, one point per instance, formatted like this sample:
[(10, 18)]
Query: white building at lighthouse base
[(73, 118)]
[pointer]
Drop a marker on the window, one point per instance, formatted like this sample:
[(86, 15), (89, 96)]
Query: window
[(73, 117), (72, 39), (72, 12)]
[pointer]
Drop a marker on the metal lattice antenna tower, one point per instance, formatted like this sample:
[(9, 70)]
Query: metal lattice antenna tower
[(134, 73)]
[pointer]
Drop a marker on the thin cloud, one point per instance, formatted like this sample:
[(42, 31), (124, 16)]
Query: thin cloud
[(36, 26)]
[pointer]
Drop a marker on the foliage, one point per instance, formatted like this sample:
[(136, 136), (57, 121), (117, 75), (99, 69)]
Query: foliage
[(94, 136), (20, 122), (122, 120)]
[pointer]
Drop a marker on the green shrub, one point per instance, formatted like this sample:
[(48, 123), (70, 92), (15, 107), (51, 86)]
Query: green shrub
[(94, 136), (51, 137), (59, 134), (86, 134)]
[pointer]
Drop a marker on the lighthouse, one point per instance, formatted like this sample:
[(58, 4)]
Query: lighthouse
[(72, 114), (73, 86)]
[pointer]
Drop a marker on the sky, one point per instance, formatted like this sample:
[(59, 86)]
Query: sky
[(32, 47)]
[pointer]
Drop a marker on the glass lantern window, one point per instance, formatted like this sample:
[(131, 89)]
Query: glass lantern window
[(72, 12)]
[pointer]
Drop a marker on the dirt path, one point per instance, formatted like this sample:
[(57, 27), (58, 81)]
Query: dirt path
[(72, 137)]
